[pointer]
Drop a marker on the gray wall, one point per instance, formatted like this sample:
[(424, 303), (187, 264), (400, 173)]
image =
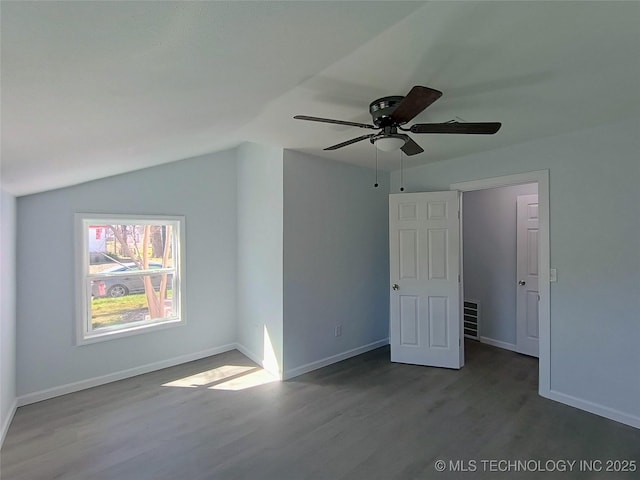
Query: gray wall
[(595, 239), (241, 286), (489, 241), (260, 257), (336, 259), (202, 189), (7, 309)]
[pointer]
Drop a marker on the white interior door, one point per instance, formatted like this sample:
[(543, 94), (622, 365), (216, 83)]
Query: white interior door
[(424, 243), (527, 275)]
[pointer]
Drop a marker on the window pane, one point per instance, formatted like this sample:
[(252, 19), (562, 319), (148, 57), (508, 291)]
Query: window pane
[(122, 301), (120, 247), (130, 274)]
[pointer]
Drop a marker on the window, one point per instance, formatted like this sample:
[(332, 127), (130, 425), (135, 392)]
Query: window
[(129, 275)]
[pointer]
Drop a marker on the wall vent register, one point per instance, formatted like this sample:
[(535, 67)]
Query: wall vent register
[(472, 319)]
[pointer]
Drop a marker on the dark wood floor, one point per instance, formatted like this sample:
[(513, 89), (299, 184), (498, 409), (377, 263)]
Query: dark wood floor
[(364, 418)]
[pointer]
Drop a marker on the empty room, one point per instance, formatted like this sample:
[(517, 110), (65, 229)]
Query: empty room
[(319, 240)]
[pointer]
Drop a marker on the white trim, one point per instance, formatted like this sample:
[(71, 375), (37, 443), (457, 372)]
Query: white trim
[(250, 354), (84, 334), (323, 362), (504, 181), (595, 408), (129, 331), (499, 344), (256, 358), (7, 422), (544, 260), (461, 298), (121, 375)]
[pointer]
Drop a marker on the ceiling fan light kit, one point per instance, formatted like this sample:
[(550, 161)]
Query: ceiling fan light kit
[(389, 143)]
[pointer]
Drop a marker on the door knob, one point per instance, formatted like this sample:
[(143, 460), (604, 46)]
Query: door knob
[(522, 283), (395, 286)]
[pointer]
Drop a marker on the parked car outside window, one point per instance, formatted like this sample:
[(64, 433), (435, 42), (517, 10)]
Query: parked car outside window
[(121, 286)]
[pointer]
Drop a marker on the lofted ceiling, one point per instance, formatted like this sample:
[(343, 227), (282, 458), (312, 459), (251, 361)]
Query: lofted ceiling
[(92, 89)]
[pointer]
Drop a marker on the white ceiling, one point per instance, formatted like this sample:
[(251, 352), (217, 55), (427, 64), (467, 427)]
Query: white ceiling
[(91, 89)]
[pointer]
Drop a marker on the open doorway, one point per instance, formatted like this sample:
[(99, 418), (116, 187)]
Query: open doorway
[(427, 281), (541, 179), (500, 265)]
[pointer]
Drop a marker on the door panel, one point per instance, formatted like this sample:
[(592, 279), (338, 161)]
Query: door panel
[(437, 248), (438, 322), (409, 315), (437, 210), (408, 254), (532, 315), (424, 236), (407, 211), (532, 247)]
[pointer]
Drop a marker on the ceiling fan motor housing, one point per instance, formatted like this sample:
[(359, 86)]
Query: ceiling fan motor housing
[(382, 108)]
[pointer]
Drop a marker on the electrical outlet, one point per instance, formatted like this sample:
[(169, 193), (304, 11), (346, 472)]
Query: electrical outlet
[(338, 330), (553, 275)]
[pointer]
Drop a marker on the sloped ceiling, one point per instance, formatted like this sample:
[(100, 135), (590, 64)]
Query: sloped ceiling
[(92, 89)]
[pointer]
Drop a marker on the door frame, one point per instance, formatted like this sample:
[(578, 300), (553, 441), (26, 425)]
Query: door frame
[(541, 177)]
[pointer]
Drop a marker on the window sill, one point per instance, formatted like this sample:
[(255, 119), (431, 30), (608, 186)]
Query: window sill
[(127, 332)]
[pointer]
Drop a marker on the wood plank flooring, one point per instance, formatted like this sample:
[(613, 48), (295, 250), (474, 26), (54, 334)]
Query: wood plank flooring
[(364, 418)]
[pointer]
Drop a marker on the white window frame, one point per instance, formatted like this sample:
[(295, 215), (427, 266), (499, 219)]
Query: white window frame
[(84, 332)]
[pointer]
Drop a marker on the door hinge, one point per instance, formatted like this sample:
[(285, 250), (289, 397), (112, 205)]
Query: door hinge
[(458, 278), (458, 214)]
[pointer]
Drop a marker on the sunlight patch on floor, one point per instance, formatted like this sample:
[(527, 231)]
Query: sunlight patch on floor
[(206, 378), (226, 377), (248, 380)]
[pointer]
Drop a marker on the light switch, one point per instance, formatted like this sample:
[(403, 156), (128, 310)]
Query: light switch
[(553, 275)]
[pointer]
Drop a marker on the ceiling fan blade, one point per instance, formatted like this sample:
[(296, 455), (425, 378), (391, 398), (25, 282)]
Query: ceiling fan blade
[(411, 148), (348, 142), (485, 128), (415, 102), (338, 122)]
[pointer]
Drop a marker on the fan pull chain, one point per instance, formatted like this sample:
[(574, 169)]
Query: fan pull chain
[(376, 184), (401, 172)]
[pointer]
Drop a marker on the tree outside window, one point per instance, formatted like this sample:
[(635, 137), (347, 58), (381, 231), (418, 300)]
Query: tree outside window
[(130, 274)]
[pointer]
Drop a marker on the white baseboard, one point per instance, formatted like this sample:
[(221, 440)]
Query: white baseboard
[(294, 372), (499, 344), (249, 353), (121, 375), (256, 358), (595, 408), (7, 421)]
